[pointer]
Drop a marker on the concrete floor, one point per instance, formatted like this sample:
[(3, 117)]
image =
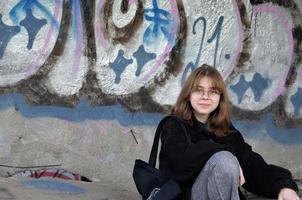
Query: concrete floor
[(20, 188), (55, 189)]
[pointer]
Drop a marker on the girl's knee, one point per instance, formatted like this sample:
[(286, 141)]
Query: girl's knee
[(225, 164)]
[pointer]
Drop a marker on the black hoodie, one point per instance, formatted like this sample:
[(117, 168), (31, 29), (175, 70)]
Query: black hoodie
[(182, 160)]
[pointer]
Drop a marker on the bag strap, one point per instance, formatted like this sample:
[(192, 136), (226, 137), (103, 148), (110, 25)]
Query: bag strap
[(154, 150)]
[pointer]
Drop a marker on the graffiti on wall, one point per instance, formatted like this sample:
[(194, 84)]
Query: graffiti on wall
[(53, 185), (138, 53)]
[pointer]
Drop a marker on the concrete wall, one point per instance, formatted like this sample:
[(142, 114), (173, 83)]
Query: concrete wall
[(83, 84)]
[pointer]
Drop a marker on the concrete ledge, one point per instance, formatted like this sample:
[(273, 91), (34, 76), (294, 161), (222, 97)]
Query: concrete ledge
[(20, 188), (251, 196), (56, 189)]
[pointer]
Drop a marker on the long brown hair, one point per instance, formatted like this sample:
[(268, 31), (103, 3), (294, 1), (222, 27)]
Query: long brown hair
[(219, 120)]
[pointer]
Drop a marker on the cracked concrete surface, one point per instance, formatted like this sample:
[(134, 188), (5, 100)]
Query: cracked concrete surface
[(20, 188)]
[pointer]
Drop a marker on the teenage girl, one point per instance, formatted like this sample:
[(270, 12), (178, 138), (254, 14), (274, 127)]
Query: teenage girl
[(216, 160)]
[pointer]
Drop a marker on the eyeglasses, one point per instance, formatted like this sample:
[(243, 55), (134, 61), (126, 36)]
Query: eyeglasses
[(212, 93)]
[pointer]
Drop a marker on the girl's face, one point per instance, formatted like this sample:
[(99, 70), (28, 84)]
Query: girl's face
[(204, 99)]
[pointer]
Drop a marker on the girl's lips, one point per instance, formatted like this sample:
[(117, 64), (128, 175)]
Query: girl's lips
[(204, 104)]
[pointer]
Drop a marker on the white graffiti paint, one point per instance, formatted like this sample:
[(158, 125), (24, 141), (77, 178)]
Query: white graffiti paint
[(202, 19), (108, 65), (271, 57), (19, 59), (134, 48), (290, 109), (121, 19), (72, 66)]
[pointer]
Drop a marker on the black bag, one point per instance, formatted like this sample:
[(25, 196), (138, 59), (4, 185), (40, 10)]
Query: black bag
[(150, 183)]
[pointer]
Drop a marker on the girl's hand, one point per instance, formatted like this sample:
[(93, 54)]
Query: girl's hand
[(288, 194), (241, 178)]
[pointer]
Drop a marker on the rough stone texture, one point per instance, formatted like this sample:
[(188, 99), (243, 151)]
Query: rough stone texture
[(251, 196), (50, 189), (57, 189)]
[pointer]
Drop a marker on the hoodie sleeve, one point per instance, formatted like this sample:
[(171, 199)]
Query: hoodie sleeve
[(182, 158), (261, 178)]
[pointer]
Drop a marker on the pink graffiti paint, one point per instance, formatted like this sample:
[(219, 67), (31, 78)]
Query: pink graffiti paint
[(300, 75), (100, 35), (79, 38), (100, 6), (132, 2), (42, 126), (87, 129), (269, 8), (159, 62), (165, 54), (103, 128), (99, 26), (125, 130), (36, 63), (87, 141), (88, 132), (239, 46)]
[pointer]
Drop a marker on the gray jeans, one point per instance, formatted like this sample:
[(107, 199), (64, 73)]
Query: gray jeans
[(219, 179)]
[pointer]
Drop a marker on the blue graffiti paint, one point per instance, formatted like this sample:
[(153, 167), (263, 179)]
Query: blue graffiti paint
[(296, 100), (33, 26), (240, 88), (75, 10), (142, 57), (31, 23), (119, 65), (24, 5), (191, 66), (264, 127), (75, 7), (84, 111), (14, 12), (53, 185), (81, 112), (161, 24), (258, 85), (6, 34), (216, 35)]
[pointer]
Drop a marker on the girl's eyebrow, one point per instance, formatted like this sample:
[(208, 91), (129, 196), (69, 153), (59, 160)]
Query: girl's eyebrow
[(210, 88)]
